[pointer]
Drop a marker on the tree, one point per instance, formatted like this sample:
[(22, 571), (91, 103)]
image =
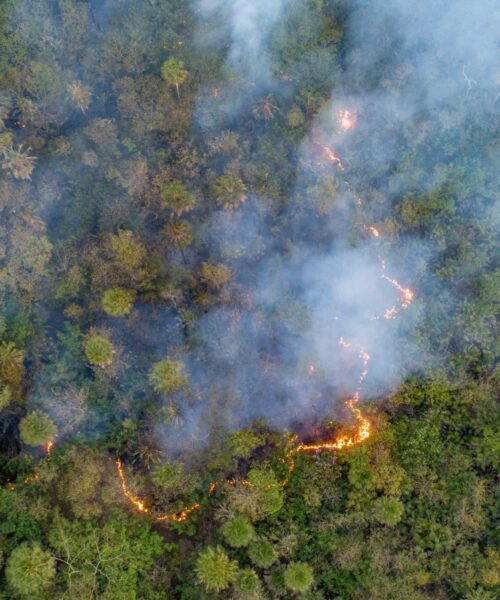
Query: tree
[(268, 490), (113, 559), (295, 117), (19, 163), (174, 73), (117, 302), (80, 95), (248, 583), (299, 577), (229, 191), (168, 376), (262, 553), (84, 484), (11, 364), (126, 251), (241, 444), (388, 510), (215, 275), (30, 571), (168, 475), (99, 350), (238, 531), (37, 429), (179, 232), (177, 198), (214, 569)]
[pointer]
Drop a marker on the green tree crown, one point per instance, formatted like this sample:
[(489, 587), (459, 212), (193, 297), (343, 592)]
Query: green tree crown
[(299, 577), (174, 73), (117, 302), (214, 569), (99, 350), (262, 553), (37, 429), (30, 571), (168, 376), (238, 531)]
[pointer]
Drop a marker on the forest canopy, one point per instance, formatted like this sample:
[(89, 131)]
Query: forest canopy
[(249, 299)]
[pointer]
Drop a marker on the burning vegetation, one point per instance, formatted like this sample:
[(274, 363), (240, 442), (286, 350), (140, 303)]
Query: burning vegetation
[(248, 297)]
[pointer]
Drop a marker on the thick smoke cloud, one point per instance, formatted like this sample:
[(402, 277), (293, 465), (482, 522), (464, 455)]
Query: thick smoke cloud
[(442, 55), (276, 354)]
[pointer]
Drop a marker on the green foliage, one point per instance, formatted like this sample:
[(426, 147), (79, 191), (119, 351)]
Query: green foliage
[(388, 510), (238, 531), (229, 191), (113, 187), (248, 582), (30, 571), (11, 364), (99, 350), (113, 560), (168, 376), (126, 251), (215, 276), (37, 429), (299, 577), (241, 444), (262, 553), (214, 570), (174, 73), (268, 490), (177, 198), (168, 475), (117, 302)]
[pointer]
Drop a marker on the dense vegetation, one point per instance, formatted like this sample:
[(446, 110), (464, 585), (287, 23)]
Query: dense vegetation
[(150, 195)]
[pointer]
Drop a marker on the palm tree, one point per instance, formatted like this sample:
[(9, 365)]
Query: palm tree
[(19, 163), (174, 73)]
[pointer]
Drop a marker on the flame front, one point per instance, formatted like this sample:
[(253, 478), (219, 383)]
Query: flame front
[(137, 502)]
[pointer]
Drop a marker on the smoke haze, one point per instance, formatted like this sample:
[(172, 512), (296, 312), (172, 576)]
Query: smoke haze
[(307, 270)]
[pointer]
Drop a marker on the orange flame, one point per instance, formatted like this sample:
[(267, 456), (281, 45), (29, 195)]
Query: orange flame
[(140, 505), (137, 502), (407, 295), (330, 155), (346, 119)]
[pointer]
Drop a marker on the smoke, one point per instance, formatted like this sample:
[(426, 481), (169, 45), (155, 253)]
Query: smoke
[(308, 270), (406, 66), (248, 25)]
